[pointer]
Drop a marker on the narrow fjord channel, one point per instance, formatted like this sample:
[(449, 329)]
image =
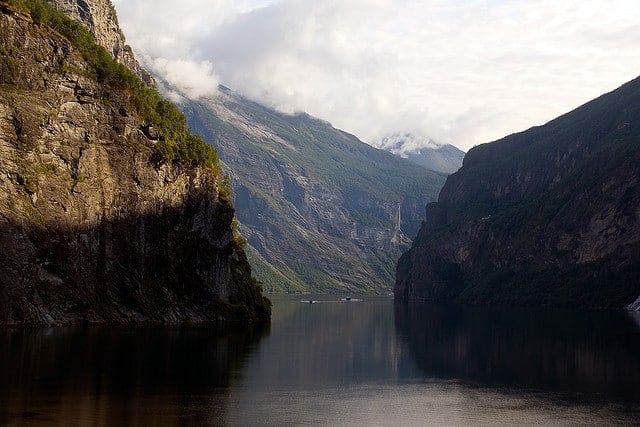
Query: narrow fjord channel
[(333, 362)]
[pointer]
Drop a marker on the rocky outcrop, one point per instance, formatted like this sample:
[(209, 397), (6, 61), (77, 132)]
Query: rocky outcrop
[(95, 226), (100, 18), (550, 216)]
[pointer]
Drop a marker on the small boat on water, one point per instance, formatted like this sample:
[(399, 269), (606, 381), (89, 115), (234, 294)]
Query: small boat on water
[(347, 299)]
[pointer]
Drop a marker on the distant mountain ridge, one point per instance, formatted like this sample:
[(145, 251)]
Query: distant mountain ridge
[(423, 151), (545, 217), (322, 211)]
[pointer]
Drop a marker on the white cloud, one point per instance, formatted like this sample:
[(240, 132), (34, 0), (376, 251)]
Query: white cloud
[(458, 72), (189, 78)]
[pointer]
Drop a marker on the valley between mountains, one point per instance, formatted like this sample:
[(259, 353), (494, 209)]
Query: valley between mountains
[(118, 205)]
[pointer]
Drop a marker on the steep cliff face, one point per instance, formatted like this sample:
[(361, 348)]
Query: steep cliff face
[(550, 216), (95, 224), (100, 18), (322, 210)]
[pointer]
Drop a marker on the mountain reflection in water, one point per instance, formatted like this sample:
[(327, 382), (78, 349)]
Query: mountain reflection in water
[(594, 354), (362, 362), (149, 375)]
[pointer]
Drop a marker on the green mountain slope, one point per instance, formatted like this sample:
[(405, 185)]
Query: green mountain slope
[(549, 216), (321, 210), (446, 158)]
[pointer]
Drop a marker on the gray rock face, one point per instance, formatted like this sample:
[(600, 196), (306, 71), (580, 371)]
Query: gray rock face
[(93, 226), (100, 18), (550, 216)]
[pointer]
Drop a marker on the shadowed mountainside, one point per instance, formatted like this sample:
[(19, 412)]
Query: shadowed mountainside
[(173, 265), (545, 217)]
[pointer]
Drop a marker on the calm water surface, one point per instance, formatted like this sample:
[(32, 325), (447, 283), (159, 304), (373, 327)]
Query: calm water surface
[(363, 362)]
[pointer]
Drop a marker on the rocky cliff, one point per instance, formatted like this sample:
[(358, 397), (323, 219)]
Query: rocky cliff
[(109, 210), (322, 210), (549, 216), (100, 18)]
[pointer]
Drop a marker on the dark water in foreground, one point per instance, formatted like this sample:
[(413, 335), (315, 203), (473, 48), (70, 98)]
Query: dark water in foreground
[(332, 363)]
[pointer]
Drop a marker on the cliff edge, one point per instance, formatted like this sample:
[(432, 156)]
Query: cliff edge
[(110, 210)]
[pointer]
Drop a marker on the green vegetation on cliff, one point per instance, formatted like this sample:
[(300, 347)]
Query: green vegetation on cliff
[(175, 142), (110, 209)]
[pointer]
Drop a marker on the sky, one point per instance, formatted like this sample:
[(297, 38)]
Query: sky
[(457, 72)]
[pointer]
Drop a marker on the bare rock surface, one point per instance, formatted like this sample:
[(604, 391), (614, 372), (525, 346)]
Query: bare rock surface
[(94, 227), (101, 19)]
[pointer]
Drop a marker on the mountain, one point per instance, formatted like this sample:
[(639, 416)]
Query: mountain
[(322, 211), (423, 151), (100, 18), (545, 217), (110, 209)]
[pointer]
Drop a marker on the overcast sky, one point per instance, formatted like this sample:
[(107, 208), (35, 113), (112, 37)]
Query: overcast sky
[(460, 72)]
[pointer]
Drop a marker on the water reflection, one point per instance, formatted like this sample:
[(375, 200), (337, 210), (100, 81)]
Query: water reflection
[(137, 376), (328, 343), (332, 363), (584, 354)]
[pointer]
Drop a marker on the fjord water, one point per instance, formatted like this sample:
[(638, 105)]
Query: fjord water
[(333, 362)]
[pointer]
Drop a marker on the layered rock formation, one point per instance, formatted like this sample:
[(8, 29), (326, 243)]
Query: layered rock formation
[(550, 216), (95, 224), (100, 18)]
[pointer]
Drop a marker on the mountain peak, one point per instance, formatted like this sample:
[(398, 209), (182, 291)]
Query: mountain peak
[(402, 143), (423, 151)]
